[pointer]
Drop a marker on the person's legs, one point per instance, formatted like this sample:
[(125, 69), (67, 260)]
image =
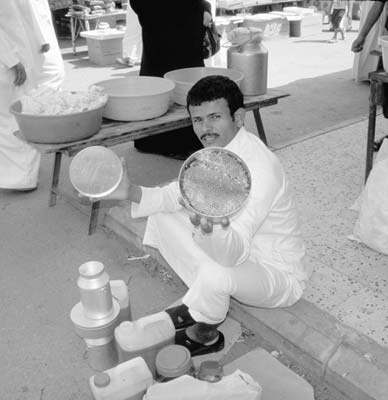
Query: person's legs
[(19, 162), (208, 297)]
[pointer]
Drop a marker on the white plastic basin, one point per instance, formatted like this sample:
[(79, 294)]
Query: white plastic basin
[(136, 98), (185, 78)]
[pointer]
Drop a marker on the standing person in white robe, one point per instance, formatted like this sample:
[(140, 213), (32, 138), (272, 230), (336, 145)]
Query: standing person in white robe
[(29, 57), (256, 256), (132, 41), (363, 61)]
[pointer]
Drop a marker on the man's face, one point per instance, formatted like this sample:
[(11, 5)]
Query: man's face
[(213, 124)]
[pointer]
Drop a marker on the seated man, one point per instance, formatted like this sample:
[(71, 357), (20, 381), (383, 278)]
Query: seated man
[(256, 255)]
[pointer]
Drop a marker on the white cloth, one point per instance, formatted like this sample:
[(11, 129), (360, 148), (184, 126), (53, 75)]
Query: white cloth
[(132, 41), (363, 62), (258, 259), (22, 33)]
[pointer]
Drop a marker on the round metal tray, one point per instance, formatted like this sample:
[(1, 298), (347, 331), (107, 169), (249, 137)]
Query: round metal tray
[(214, 182)]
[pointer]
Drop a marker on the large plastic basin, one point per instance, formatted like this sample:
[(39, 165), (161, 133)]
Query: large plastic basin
[(136, 98), (185, 78), (58, 128)]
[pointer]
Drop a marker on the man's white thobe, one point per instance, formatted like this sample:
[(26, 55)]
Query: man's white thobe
[(23, 30), (132, 41), (258, 259)]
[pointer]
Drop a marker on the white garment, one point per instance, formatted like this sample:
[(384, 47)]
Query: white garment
[(22, 33), (132, 41), (363, 62), (257, 260)]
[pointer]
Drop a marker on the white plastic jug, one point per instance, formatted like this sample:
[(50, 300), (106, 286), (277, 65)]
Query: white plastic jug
[(120, 293), (126, 381), (144, 337)]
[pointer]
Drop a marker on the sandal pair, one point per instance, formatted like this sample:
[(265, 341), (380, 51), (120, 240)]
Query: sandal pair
[(182, 319)]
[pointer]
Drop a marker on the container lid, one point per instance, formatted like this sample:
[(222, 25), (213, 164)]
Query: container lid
[(96, 171), (101, 379), (173, 361)]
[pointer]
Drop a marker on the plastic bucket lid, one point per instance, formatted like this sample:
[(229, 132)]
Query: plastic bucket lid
[(96, 171), (173, 361)]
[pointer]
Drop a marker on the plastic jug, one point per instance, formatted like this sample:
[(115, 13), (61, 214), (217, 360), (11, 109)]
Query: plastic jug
[(144, 337), (120, 293), (126, 381), (248, 55)]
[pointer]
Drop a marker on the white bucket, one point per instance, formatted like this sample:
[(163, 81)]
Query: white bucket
[(383, 42)]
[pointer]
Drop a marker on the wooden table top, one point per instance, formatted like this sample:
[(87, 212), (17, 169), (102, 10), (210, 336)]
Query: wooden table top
[(116, 132)]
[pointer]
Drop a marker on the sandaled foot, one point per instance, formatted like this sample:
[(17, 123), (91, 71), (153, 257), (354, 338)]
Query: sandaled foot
[(197, 348), (332, 41), (180, 316)]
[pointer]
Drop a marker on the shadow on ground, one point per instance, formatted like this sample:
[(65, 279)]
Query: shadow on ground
[(333, 99)]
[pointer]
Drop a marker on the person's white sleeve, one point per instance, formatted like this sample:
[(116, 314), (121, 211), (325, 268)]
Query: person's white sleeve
[(231, 246), (8, 56), (157, 199)]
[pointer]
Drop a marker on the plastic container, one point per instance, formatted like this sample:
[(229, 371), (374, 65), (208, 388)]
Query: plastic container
[(58, 128), (127, 381), (120, 293), (144, 337), (185, 79), (96, 295), (173, 361), (136, 98), (295, 26), (383, 41), (104, 45), (210, 371)]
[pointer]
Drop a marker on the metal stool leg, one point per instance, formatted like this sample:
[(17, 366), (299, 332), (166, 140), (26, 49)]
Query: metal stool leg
[(371, 128)]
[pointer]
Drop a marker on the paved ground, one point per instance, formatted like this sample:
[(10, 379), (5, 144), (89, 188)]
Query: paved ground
[(42, 248)]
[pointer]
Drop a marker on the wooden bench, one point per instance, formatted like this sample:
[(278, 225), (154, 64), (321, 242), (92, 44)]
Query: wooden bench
[(113, 133)]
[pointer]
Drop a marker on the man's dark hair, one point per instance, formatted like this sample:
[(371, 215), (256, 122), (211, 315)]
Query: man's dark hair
[(216, 87)]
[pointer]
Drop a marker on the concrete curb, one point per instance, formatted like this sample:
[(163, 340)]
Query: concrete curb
[(349, 362)]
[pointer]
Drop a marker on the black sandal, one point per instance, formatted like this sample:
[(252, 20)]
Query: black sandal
[(196, 348), (180, 316)]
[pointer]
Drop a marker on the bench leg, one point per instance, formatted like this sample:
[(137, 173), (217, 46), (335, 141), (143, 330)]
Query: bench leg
[(55, 179), (260, 126), (371, 128), (94, 217)]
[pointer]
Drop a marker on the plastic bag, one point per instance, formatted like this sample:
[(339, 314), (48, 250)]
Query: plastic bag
[(238, 385), (371, 226)]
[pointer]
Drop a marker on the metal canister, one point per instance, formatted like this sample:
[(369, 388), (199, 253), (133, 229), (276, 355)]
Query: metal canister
[(96, 295), (251, 59)]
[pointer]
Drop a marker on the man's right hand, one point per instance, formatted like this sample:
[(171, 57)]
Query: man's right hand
[(20, 74)]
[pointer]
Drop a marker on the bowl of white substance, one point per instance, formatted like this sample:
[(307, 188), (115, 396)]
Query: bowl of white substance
[(59, 117)]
